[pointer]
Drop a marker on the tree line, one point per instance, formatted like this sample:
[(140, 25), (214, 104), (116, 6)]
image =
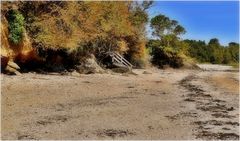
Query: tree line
[(213, 52), (170, 49)]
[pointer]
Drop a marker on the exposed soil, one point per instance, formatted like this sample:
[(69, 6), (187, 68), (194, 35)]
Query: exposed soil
[(160, 104)]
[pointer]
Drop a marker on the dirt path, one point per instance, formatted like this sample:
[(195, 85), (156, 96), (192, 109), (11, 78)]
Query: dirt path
[(161, 104)]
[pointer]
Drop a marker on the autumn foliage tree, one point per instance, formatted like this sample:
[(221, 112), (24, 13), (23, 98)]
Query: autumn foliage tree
[(90, 27)]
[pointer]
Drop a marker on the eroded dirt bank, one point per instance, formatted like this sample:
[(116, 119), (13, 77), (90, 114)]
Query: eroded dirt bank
[(161, 104)]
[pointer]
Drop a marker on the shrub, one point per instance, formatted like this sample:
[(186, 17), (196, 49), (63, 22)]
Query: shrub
[(162, 56), (139, 55), (16, 26)]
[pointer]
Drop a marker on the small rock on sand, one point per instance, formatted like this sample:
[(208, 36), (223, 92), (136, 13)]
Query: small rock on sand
[(146, 72), (75, 73)]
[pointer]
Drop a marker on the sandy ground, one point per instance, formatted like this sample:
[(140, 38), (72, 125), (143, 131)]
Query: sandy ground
[(157, 104)]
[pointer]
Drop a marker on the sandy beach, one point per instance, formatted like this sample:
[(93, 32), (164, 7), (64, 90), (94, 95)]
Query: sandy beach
[(150, 104)]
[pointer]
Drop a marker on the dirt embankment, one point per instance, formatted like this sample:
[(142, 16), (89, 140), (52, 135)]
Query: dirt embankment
[(154, 104)]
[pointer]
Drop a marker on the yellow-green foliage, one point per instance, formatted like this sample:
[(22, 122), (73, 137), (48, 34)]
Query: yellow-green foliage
[(77, 22), (86, 26)]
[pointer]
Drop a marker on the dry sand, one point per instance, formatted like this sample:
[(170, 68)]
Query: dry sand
[(159, 104)]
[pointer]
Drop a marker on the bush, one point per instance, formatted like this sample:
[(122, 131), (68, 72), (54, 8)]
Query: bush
[(16, 26), (137, 53), (162, 56)]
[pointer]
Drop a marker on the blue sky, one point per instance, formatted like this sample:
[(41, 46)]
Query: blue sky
[(202, 20)]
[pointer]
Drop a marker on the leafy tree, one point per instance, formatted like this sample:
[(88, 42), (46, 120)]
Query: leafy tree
[(198, 50), (226, 56), (168, 49), (216, 50), (167, 31), (162, 25), (137, 52), (179, 30), (214, 42), (233, 49), (146, 4)]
